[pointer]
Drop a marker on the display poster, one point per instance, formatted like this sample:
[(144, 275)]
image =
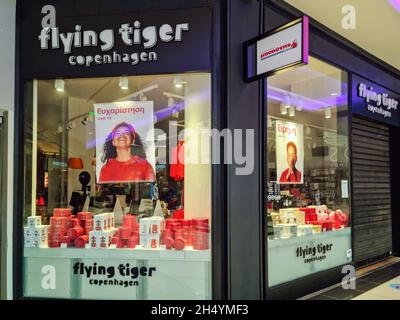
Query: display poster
[(289, 152), (125, 142)]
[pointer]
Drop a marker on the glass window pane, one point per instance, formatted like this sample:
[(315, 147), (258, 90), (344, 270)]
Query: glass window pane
[(117, 201), (307, 172)]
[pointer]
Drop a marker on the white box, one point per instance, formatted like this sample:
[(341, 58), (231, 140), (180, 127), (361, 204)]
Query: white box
[(145, 240), (34, 221), (41, 231), (156, 225), (322, 212), (289, 230), (304, 230), (28, 232), (101, 222), (101, 239), (144, 225), (154, 241), (288, 215)]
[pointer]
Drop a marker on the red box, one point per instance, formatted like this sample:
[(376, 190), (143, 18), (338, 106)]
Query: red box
[(310, 215)]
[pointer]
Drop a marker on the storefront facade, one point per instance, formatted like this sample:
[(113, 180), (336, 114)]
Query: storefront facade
[(157, 74)]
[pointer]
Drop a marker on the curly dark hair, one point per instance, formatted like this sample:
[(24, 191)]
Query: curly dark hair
[(110, 152)]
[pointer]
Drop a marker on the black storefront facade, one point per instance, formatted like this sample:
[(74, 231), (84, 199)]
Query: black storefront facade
[(200, 42)]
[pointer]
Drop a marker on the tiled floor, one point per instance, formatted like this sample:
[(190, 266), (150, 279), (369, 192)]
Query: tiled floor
[(383, 284)]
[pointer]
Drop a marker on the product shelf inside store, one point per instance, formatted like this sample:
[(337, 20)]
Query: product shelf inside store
[(188, 254)]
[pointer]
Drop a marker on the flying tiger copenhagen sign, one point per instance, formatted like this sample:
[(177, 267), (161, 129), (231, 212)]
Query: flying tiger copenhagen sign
[(277, 50)]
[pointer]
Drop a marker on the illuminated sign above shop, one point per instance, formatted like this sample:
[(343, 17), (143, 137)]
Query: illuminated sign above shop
[(58, 42), (131, 36), (277, 50), (375, 102)]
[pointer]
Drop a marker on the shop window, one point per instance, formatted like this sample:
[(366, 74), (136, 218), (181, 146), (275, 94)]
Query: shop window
[(307, 172), (117, 201)]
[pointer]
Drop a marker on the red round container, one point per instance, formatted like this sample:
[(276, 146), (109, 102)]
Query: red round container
[(66, 240), (85, 215), (200, 222), (179, 243), (57, 232), (201, 229), (81, 241), (200, 240), (74, 222), (74, 233), (53, 243), (62, 212), (121, 244), (187, 223), (169, 243), (133, 242), (179, 233), (59, 221), (114, 240), (131, 222), (124, 232)]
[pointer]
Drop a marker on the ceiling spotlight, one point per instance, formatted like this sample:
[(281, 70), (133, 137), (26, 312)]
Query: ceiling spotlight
[(171, 102), (291, 111), (175, 113), (59, 129), (299, 104), (124, 83), (287, 100), (178, 82), (283, 109), (142, 97), (59, 85), (85, 121), (328, 113)]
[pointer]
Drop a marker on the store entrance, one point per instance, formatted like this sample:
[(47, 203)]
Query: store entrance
[(372, 214)]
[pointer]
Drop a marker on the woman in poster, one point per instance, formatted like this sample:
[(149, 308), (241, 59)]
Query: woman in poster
[(291, 174), (124, 157)]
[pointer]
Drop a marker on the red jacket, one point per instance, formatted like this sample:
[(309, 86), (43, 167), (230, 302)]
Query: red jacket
[(292, 178), (134, 170)]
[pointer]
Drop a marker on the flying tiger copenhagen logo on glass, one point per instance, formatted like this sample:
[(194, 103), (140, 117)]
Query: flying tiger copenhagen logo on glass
[(277, 50)]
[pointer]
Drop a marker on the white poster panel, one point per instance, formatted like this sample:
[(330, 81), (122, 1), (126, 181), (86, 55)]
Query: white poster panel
[(290, 259), (125, 150), (281, 49), (289, 152)]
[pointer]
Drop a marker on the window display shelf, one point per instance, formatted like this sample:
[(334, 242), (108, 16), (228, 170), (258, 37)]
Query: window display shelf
[(187, 254), (315, 237)]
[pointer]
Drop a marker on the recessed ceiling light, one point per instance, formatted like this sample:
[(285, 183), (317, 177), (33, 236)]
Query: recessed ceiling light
[(59, 85), (124, 83), (334, 94)]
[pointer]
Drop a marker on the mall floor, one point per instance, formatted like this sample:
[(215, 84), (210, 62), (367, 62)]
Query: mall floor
[(381, 282)]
